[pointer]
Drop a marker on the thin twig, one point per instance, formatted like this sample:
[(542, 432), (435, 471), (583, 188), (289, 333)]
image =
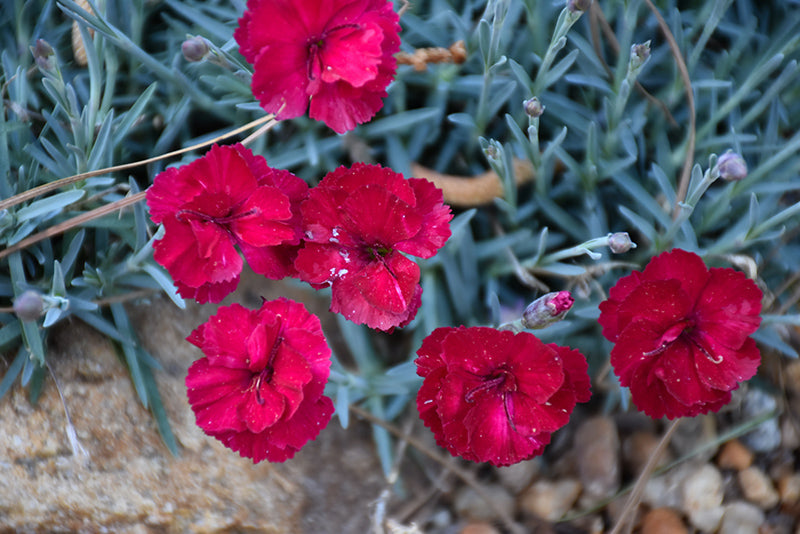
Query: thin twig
[(637, 491), (466, 477), (598, 17), (73, 222), (686, 171), (51, 186)]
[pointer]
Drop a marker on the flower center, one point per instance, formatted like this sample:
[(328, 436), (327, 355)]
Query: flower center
[(268, 371), (499, 380), (186, 214), (685, 330), (316, 45)]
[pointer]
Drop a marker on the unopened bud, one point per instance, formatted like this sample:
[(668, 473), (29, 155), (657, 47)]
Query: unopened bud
[(731, 167), (195, 49), (547, 309), (29, 306), (533, 107), (620, 242), (640, 53), (43, 54), (579, 5)]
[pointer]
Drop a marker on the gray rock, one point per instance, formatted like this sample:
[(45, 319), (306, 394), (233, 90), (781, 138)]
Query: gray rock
[(766, 437)]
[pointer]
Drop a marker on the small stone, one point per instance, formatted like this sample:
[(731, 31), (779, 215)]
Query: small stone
[(792, 374), (470, 505), (666, 491), (479, 527), (789, 489), (702, 497), (734, 455), (518, 476), (741, 518), (550, 500), (757, 488), (790, 435), (663, 521), (766, 437), (597, 450), (694, 434), (637, 450)]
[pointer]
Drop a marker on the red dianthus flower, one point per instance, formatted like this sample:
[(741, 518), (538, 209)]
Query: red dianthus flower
[(226, 198), (335, 57), (681, 334), (359, 224), (258, 389), (494, 396)]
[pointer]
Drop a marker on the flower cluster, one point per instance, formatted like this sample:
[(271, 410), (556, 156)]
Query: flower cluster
[(258, 389), (680, 330), (495, 396), (681, 334), (333, 58)]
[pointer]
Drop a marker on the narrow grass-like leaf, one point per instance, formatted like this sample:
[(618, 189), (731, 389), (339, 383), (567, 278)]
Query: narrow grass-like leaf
[(44, 206), (159, 413), (12, 372), (123, 325)]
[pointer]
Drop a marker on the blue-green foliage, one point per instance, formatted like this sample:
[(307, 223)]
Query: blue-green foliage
[(608, 153)]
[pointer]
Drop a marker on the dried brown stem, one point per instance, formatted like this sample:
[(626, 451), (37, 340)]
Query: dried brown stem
[(421, 57), (73, 222), (638, 489), (686, 171), (52, 186), (465, 476), (469, 191)]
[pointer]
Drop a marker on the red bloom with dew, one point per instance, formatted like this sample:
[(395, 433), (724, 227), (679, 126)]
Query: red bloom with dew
[(494, 396), (681, 334), (359, 226), (332, 57), (258, 389), (226, 198)]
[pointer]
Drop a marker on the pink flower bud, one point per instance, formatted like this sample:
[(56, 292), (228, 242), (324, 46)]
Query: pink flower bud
[(195, 49), (732, 167), (533, 107), (547, 309), (620, 242), (29, 306)]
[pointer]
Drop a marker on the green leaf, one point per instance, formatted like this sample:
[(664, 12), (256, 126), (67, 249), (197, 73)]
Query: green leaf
[(159, 413), (57, 202), (12, 372)]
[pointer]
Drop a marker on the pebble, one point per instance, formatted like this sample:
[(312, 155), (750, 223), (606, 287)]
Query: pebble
[(480, 527), (792, 374), (663, 521), (637, 450), (741, 518), (790, 436), (734, 455), (757, 487), (517, 477), (470, 505), (702, 498), (597, 449), (550, 500), (789, 489), (694, 434), (766, 437), (666, 491)]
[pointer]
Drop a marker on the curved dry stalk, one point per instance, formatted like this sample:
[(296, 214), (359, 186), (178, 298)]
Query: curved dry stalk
[(471, 191), (52, 186), (686, 171), (465, 476), (421, 57), (73, 222), (638, 489)]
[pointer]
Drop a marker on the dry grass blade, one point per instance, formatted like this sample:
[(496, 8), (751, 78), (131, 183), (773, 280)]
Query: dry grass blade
[(686, 171)]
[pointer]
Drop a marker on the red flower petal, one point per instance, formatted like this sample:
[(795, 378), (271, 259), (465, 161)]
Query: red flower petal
[(259, 387), (494, 396)]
